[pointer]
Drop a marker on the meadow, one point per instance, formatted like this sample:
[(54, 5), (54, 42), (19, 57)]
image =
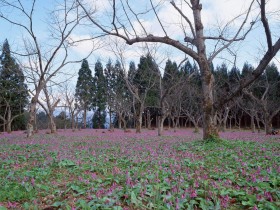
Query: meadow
[(98, 169)]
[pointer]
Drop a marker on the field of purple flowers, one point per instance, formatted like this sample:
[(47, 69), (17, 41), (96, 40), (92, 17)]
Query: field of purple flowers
[(96, 169)]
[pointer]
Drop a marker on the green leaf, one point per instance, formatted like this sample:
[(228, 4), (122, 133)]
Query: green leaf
[(57, 204), (133, 198), (2, 208), (264, 185), (77, 189), (117, 208), (237, 193), (66, 163), (203, 204), (28, 187), (83, 204), (247, 203)]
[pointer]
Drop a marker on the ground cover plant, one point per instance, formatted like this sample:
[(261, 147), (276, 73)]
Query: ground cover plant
[(98, 169)]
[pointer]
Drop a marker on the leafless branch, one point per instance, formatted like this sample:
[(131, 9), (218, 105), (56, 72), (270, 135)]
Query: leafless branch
[(266, 26), (158, 17), (185, 17), (235, 37)]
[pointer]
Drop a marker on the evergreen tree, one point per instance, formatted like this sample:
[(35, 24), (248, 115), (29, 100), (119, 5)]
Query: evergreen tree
[(221, 78), (147, 78), (187, 68), (234, 76), (99, 102), (13, 91), (170, 73), (247, 69), (110, 80), (119, 101), (272, 73), (131, 71), (99, 119), (85, 89)]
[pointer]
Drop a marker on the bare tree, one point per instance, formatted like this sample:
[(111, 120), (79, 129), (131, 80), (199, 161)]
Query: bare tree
[(140, 86), (49, 103), (45, 59), (191, 104), (251, 108), (170, 93), (7, 117), (71, 104), (265, 97), (133, 80), (127, 22)]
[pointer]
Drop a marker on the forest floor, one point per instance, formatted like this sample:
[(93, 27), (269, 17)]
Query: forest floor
[(99, 169)]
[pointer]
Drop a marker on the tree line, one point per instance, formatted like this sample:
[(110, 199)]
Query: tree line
[(143, 95), (144, 92)]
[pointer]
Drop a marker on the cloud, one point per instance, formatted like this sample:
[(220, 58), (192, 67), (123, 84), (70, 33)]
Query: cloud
[(99, 5)]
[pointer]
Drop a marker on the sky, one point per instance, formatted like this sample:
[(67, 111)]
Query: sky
[(215, 15)]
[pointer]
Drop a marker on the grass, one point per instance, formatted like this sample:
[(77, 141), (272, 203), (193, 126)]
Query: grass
[(95, 170)]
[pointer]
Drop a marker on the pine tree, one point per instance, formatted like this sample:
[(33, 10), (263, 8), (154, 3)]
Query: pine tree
[(110, 80), (234, 76), (147, 79), (13, 91), (247, 69), (187, 68), (85, 89), (170, 73), (99, 102), (131, 71), (221, 81)]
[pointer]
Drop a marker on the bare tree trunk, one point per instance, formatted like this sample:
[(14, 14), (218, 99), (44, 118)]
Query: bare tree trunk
[(148, 120), (77, 122), (169, 123), (160, 125), (120, 121), (196, 128), (139, 123), (176, 120), (173, 122), (209, 124), (253, 127), (85, 118), (4, 126), (110, 119), (35, 123), (73, 122), (186, 123), (139, 112), (225, 119), (32, 114), (157, 121), (239, 123), (9, 121), (268, 124), (258, 124), (124, 123), (52, 123), (235, 121)]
